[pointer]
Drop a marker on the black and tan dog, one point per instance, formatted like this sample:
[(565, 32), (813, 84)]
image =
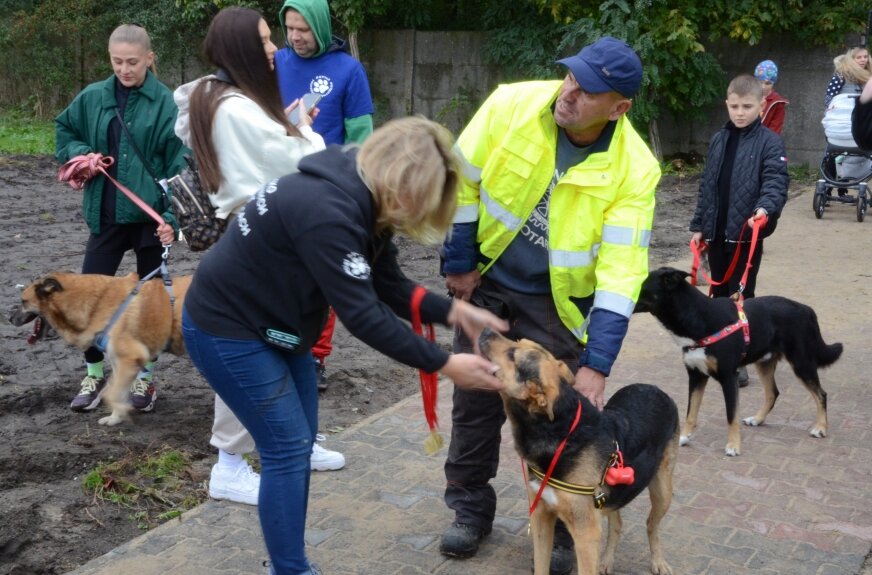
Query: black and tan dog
[(639, 420), (777, 328), (80, 306)]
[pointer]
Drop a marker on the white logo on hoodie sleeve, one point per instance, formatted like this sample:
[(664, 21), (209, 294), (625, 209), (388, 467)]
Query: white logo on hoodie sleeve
[(356, 266)]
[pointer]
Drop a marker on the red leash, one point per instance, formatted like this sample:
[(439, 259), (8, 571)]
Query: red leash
[(82, 168), (697, 249), (429, 381), (554, 461)]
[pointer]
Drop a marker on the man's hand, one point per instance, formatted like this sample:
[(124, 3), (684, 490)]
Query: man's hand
[(591, 384), (461, 286), (696, 239)]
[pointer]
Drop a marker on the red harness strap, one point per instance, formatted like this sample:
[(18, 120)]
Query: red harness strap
[(742, 324), (429, 381), (554, 460), (80, 169)]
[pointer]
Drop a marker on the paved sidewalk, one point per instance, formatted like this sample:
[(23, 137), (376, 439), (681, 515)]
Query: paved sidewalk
[(790, 504)]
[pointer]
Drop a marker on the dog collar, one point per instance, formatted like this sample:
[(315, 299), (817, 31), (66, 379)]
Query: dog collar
[(741, 323), (599, 498)]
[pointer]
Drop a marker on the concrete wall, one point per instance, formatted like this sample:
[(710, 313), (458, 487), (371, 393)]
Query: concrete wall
[(442, 75)]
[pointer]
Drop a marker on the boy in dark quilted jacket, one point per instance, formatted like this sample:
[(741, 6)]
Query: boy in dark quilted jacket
[(745, 180)]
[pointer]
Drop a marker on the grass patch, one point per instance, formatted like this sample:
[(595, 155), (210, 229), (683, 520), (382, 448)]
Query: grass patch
[(803, 174), (155, 486), (20, 134)]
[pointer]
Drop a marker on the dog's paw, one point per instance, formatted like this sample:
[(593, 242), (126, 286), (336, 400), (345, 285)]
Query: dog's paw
[(731, 451), (660, 567), (752, 421), (684, 440), (817, 432), (111, 420), (607, 568)]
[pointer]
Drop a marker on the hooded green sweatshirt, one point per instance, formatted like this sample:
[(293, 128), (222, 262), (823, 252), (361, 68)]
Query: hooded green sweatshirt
[(317, 15)]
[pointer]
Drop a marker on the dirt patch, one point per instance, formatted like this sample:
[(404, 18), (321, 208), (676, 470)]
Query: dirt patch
[(48, 523)]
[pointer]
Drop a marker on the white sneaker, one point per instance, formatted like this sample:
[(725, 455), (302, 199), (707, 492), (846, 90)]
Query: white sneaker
[(241, 485), (324, 459)]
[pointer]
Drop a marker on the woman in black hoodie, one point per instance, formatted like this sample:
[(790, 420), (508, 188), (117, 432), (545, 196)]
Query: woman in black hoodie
[(318, 238)]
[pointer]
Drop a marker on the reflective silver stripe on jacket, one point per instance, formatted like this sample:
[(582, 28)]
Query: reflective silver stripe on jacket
[(499, 213), (469, 171), (623, 236), (568, 259), (466, 214), (617, 303)]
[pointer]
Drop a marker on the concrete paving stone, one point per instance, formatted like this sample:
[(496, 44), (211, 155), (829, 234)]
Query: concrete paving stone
[(806, 552), (315, 536), (418, 542), (511, 524)]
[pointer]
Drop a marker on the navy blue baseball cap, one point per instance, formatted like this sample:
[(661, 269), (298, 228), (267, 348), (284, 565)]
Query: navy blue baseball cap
[(607, 65)]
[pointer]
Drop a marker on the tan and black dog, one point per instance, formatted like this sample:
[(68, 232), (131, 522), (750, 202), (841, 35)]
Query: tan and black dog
[(778, 328), (79, 306), (639, 420)]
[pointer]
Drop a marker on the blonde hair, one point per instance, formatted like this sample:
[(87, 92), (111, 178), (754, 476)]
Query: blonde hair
[(746, 85), (411, 170), (848, 69), (133, 34)]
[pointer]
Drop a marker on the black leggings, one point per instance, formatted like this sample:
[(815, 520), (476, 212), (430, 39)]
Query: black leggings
[(720, 255), (105, 250)]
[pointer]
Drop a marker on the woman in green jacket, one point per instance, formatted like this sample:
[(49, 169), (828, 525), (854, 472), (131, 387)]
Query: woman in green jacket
[(92, 124)]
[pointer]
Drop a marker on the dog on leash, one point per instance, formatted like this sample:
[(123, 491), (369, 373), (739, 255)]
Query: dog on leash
[(80, 306), (639, 424), (776, 328)]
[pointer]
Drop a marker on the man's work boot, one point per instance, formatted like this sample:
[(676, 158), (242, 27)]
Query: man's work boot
[(561, 560), (462, 540), (742, 372)]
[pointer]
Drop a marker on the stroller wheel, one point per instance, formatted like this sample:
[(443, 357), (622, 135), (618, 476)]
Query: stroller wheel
[(861, 203), (819, 201)]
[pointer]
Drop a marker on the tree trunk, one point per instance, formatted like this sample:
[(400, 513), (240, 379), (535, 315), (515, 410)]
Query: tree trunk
[(352, 45), (654, 139)]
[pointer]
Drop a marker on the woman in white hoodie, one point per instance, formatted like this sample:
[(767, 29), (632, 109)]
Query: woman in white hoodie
[(235, 123)]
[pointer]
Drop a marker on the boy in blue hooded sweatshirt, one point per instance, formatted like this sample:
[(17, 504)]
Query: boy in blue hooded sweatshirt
[(316, 61)]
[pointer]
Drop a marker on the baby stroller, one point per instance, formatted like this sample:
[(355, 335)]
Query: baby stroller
[(844, 166)]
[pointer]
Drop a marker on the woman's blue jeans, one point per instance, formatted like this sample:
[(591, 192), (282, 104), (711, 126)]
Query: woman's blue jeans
[(274, 395)]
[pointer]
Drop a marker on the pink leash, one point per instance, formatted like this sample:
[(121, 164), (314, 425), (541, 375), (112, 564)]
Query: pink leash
[(82, 168)]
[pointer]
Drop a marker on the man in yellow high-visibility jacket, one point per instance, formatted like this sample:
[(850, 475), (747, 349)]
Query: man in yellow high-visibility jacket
[(551, 232)]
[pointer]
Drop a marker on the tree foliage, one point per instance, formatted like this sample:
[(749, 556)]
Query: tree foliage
[(681, 75), (65, 40)]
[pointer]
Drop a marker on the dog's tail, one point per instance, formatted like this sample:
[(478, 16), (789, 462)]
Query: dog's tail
[(828, 354), (825, 354)]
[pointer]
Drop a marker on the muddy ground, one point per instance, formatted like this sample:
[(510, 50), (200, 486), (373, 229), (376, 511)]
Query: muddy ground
[(49, 524)]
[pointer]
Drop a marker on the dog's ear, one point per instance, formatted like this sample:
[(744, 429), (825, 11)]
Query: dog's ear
[(538, 396), (48, 286), (673, 278), (535, 395)]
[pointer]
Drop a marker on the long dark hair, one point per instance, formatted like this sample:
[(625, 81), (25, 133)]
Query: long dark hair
[(233, 45)]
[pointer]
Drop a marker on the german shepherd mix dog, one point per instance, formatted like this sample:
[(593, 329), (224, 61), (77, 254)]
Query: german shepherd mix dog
[(80, 306), (777, 328), (639, 423)]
